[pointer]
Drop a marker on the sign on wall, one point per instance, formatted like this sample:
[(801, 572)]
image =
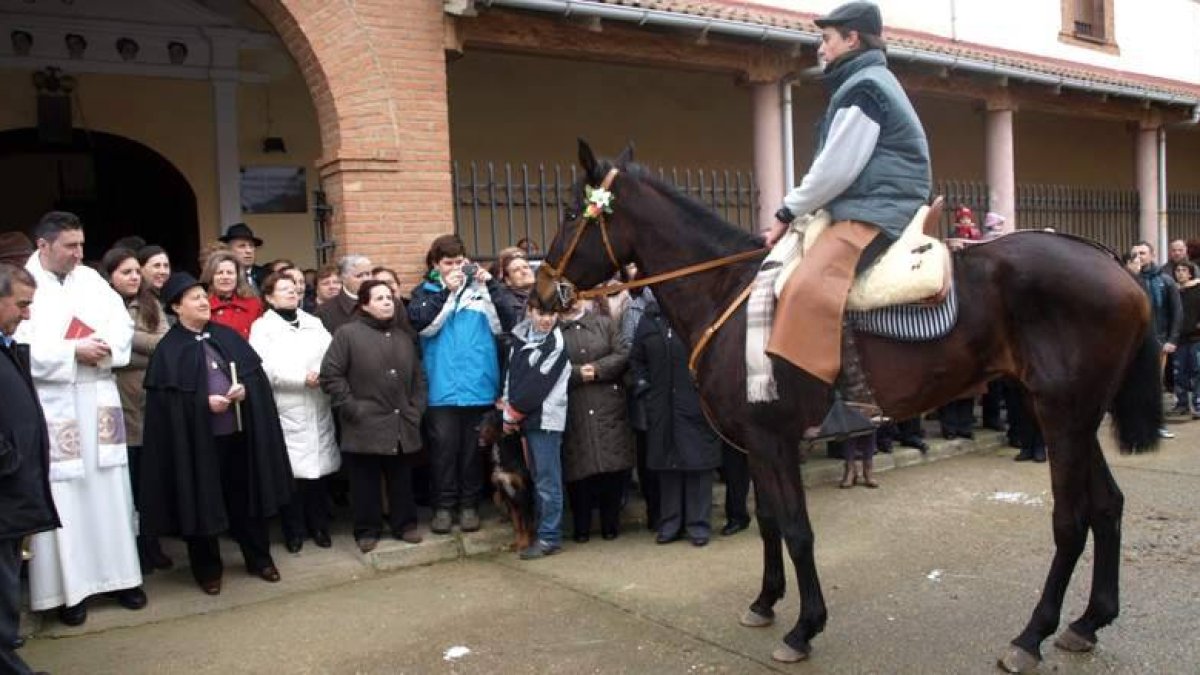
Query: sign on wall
[(274, 189)]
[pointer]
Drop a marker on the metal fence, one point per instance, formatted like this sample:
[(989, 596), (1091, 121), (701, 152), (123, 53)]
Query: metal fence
[(499, 204), (1103, 214), (1183, 215)]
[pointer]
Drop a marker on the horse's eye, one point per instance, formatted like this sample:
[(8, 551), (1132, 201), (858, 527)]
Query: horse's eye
[(571, 215)]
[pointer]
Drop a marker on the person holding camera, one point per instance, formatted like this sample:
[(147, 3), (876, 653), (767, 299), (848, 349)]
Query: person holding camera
[(454, 312)]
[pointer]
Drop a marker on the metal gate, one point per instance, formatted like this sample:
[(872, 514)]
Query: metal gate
[(500, 204)]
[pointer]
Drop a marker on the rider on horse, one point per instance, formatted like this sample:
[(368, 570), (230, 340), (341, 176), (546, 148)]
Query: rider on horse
[(871, 173)]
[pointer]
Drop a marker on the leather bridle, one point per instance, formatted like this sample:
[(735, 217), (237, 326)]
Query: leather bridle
[(557, 273)]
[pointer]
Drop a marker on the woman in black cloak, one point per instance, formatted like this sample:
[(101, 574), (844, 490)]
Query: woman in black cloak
[(215, 456)]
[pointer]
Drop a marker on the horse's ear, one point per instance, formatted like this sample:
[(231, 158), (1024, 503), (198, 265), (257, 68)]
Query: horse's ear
[(626, 155), (586, 159)]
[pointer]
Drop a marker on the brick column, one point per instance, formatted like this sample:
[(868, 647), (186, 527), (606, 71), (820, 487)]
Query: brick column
[(377, 74)]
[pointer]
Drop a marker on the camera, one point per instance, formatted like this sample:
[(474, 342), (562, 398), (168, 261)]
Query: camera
[(470, 270)]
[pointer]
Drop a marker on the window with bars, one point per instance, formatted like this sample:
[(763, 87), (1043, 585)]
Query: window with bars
[(1088, 20)]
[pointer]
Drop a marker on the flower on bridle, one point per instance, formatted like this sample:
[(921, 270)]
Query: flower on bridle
[(599, 202)]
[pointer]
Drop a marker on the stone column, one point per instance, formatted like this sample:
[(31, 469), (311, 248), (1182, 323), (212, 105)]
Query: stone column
[(1146, 171), (768, 149), (1001, 168)]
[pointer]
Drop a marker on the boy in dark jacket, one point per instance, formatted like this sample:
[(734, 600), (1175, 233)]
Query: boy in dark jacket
[(535, 402)]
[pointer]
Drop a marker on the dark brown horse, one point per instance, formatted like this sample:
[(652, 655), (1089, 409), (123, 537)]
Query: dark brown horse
[(1057, 314)]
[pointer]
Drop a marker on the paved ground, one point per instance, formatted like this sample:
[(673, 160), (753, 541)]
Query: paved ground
[(932, 573)]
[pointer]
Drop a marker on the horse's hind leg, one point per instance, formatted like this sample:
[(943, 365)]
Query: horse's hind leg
[(1106, 506), (777, 475), (774, 583), (1071, 445)]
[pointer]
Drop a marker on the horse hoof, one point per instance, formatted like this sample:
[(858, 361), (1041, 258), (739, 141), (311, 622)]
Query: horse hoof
[(1018, 660), (752, 619), (1071, 641), (785, 654)]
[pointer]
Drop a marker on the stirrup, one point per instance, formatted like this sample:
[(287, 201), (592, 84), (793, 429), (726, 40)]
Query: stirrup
[(844, 420)]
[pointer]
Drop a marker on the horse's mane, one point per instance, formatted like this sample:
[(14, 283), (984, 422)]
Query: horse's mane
[(697, 216)]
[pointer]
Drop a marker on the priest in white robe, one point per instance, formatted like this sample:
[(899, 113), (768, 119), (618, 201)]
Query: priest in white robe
[(78, 331)]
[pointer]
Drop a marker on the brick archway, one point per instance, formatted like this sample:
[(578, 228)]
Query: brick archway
[(376, 73)]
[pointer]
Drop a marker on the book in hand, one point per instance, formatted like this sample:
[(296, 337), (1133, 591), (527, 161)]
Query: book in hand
[(77, 330)]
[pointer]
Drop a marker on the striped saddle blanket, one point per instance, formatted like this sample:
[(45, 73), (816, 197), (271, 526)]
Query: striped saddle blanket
[(909, 323)]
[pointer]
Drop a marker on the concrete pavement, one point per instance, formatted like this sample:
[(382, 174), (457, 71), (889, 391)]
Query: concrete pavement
[(934, 572)]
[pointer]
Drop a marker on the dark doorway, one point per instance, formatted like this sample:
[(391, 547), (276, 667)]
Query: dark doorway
[(118, 187)]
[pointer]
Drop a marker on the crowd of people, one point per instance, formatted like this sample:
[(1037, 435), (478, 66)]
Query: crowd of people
[(150, 404)]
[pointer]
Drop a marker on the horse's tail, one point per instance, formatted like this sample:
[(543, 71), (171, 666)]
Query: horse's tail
[(1137, 409)]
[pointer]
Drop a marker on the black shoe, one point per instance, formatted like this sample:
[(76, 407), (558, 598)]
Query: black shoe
[(270, 574), (130, 598), (699, 541), (581, 537), (367, 544), (294, 544), (17, 643), (969, 435), (667, 538), (1039, 457), (608, 536), (733, 527), (916, 444), (321, 538), (994, 425), (1023, 456), (948, 435), (74, 615)]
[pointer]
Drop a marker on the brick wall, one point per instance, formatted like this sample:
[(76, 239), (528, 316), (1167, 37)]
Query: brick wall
[(377, 75)]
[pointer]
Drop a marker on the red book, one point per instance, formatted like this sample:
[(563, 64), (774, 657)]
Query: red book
[(77, 330)]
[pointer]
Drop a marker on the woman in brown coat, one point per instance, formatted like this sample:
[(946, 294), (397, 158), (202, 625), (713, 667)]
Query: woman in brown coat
[(598, 447), (375, 382), (124, 272)]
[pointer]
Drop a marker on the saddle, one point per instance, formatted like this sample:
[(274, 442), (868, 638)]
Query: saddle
[(915, 269)]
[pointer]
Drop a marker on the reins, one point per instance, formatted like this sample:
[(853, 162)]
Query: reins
[(600, 291)]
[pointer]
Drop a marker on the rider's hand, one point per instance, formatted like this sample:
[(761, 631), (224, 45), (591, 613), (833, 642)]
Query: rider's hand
[(774, 232)]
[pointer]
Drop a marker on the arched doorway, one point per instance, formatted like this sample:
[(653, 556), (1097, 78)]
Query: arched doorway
[(118, 187)]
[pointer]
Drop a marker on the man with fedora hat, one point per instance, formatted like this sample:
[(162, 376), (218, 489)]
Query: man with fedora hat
[(244, 244), (871, 173)]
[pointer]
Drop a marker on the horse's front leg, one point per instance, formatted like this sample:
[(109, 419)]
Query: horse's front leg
[(774, 582), (779, 480)]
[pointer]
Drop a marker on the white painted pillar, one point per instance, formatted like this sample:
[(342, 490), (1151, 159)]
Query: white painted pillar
[(1146, 171), (768, 149), (223, 69), (1001, 165), (225, 119)]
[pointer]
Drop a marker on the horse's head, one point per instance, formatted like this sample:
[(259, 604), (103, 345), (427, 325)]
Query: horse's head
[(592, 241)]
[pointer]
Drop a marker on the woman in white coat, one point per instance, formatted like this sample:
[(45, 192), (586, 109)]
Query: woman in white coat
[(292, 343)]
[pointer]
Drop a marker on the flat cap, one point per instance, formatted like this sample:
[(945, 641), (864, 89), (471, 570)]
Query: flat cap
[(860, 16)]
